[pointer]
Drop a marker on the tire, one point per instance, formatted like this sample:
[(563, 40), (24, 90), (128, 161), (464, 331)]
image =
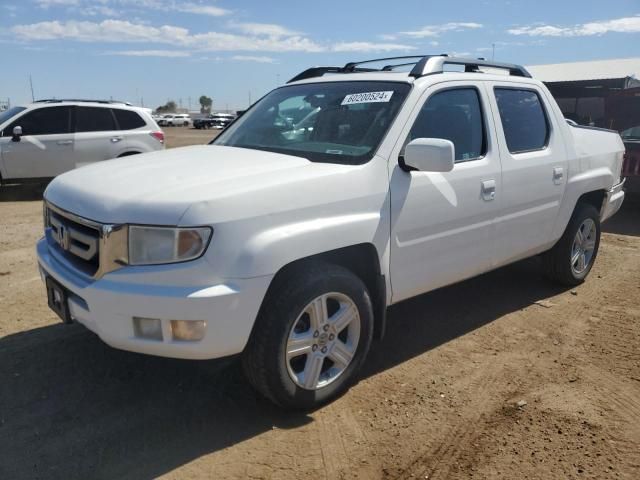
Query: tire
[(287, 314), (571, 259)]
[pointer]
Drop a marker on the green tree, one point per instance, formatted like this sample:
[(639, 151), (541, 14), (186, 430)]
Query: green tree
[(205, 104)]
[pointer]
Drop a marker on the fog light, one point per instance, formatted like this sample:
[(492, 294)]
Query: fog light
[(149, 328), (190, 330)]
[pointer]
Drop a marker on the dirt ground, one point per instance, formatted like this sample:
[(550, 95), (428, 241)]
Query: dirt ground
[(503, 376)]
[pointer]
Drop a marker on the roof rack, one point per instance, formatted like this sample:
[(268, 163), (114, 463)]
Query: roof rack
[(79, 100), (422, 66)]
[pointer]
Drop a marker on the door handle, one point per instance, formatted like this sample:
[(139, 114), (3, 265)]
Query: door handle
[(115, 139), (489, 190), (64, 142), (558, 175)]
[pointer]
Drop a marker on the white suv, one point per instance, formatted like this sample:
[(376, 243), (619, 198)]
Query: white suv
[(175, 120), (330, 199), (49, 137)]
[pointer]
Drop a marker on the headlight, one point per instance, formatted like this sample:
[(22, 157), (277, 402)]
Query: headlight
[(155, 245)]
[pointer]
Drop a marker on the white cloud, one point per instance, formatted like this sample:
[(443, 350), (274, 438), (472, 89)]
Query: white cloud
[(150, 53), (108, 7), (200, 9), (106, 31), (253, 58), (96, 10), (369, 47), (618, 25), (257, 37), (437, 30), (268, 29), (56, 3)]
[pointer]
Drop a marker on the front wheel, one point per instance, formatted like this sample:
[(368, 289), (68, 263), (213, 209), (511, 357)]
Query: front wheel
[(571, 259), (311, 337)]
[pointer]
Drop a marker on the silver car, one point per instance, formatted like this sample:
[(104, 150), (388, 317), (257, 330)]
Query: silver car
[(46, 138)]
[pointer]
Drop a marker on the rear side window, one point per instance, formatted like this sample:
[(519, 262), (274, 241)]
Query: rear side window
[(94, 119), (43, 121), (454, 115), (128, 119), (523, 119)]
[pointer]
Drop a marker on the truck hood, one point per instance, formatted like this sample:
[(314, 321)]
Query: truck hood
[(160, 187)]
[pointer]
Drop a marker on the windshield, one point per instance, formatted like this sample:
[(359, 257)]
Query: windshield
[(7, 114), (631, 133), (335, 122)]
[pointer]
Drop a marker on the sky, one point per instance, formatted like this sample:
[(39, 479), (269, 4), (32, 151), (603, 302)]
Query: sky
[(151, 51)]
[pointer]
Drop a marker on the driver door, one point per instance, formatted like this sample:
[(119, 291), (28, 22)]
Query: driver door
[(442, 224), (45, 148)]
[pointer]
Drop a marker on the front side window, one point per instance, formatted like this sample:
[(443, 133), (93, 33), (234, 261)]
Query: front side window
[(523, 119), (94, 119), (453, 115), (7, 114), (335, 122), (43, 121)]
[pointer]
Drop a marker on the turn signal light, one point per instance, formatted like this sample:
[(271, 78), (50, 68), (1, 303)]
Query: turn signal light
[(188, 330)]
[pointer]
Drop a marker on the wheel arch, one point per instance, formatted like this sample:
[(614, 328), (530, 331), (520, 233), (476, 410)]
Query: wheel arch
[(588, 189), (362, 260), (595, 198), (128, 154)]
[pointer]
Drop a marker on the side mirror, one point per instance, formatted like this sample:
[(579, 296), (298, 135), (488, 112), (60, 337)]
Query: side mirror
[(430, 155), (17, 133)]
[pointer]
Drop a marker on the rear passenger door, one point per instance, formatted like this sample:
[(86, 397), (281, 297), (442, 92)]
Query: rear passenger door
[(534, 170), (131, 128), (442, 223), (96, 137)]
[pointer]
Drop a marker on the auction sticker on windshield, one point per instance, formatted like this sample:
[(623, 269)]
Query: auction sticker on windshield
[(367, 97)]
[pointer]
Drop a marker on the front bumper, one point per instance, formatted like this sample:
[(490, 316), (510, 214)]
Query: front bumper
[(107, 306), (612, 201)]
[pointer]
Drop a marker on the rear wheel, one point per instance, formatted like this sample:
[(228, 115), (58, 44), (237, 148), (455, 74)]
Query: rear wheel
[(571, 259), (311, 337)]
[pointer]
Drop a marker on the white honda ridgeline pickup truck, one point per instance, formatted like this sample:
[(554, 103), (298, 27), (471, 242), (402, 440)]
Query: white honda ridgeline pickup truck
[(331, 198)]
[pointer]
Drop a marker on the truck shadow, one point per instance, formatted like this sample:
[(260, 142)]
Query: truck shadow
[(21, 193), (71, 407)]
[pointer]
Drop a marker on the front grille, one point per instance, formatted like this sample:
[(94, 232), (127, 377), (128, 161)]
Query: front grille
[(75, 240), (91, 247)]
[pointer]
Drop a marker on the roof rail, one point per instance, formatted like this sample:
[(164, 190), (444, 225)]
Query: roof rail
[(423, 65), (79, 100), (430, 65)]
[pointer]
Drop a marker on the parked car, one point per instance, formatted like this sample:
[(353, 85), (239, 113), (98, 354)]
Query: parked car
[(175, 120), (218, 121), (330, 199), (46, 138)]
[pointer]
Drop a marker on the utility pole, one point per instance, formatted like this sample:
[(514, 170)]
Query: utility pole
[(249, 97), (33, 97), (189, 103), (493, 52)]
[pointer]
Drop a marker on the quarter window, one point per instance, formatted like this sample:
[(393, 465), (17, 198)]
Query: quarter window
[(523, 119), (43, 121), (94, 119), (454, 115), (128, 119)]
